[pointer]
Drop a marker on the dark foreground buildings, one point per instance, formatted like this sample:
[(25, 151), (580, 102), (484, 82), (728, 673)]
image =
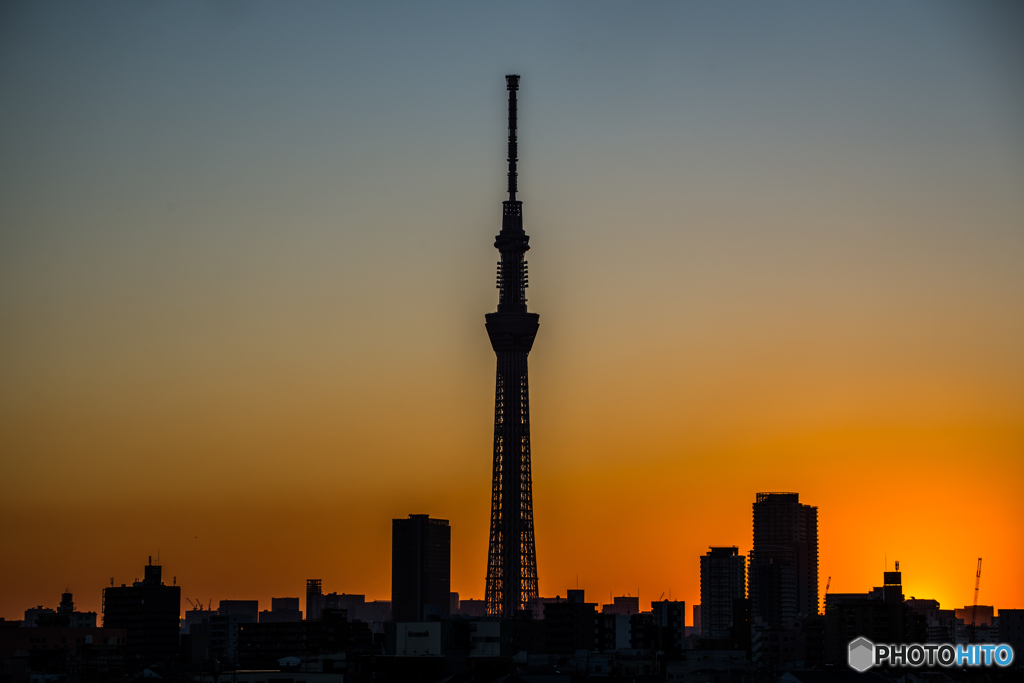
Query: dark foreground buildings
[(511, 555), (421, 552), (881, 616), (149, 613)]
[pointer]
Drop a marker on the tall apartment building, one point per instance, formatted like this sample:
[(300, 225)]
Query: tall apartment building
[(784, 560), (723, 579), (149, 612), (421, 552)]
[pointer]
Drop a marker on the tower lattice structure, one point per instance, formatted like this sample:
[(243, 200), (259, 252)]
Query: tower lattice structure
[(511, 556)]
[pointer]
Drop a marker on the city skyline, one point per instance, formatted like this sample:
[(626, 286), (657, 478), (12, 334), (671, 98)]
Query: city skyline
[(245, 252), (407, 546)]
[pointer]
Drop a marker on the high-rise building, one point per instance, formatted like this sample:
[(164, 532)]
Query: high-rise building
[(421, 553), (149, 611), (784, 560), (314, 591), (723, 579), (511, 555)]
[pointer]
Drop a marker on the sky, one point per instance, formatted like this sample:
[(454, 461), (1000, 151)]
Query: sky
[(246, 249)]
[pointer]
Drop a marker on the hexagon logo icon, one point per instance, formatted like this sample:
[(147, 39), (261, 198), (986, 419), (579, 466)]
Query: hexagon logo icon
[(861, 655)]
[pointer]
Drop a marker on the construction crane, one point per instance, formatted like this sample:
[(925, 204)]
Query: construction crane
[(974, 610), (827, 584)]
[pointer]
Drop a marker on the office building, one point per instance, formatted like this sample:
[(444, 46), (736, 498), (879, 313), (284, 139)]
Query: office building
[(420, 568), (314, 591)]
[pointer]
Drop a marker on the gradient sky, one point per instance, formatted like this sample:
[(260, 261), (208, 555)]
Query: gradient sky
[(246, 250)]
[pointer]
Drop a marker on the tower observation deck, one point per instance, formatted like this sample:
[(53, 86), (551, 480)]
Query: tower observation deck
[(511, 555)]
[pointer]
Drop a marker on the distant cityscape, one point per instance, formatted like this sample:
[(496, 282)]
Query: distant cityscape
[(760, 618)]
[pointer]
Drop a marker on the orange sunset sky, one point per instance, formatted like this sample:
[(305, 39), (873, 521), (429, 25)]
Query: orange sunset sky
[(246, 251)]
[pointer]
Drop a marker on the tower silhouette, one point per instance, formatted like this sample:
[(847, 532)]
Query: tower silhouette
[(511, 556)]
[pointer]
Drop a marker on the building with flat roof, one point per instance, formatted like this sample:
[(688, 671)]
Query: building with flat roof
[(723, 579), (982, 615), (281, 610), (783, 561), (149, 612), (421, 551), (622, 604)]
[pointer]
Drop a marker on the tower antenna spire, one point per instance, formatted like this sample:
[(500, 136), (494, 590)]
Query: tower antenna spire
[(512, 83)]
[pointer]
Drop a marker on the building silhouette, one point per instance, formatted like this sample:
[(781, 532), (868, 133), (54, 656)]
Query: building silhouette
[(65, 615), (981, 615), (570, 624), (421, 551), (149, 612), (314, 591), (783, 561), (622, 604), (263, 645), (723, 580), (1011, 632), (668, 622), (881, 616), (282, 610), (511, 555)]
